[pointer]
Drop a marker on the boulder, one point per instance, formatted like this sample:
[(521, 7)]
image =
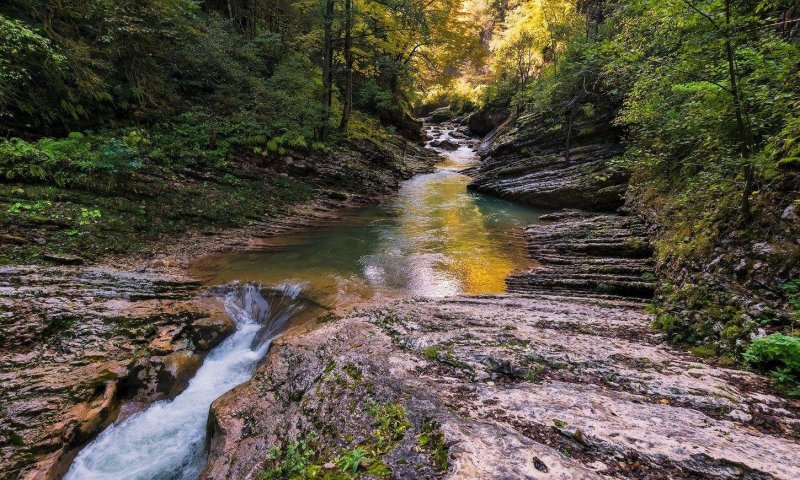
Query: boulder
[(444, 144), (440, 115), (482, 122)]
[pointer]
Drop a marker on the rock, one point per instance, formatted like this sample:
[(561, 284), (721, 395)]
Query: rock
[(741, 266), (480, 123), (762, 248), (80, 341), (12, 239), (208, 332), (528, 162), (444, 144), (406, 125), (440, 115), (63, 259), (585, 254), (626, 405), (790, 213), (585, 181)]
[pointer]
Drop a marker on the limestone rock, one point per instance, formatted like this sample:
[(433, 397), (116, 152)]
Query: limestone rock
[(78, 343)]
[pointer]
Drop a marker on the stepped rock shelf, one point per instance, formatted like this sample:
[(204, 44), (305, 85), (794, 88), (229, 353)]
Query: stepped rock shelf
[(587, 253), (560, 378)]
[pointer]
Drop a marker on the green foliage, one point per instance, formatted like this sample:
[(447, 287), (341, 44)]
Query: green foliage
[(89, 161), (696, 315), (372, 98), (292, 462), (392, 424), (26, 57), (432, 440), (705, 101), (352, 460), (792, 291), (300, 460), (778, 355)]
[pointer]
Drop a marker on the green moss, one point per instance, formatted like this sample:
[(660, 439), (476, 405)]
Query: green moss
[(329, 366), (431, 353), (447, 356), (392, 424), (352, 371), (696, 315), (604, 288), (704, 351)]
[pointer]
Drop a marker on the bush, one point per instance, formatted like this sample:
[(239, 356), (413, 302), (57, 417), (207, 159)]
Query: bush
[(26, 58), (778, 355), (89, 161)]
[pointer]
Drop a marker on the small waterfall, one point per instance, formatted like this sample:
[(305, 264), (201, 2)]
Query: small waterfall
[(166, 441)]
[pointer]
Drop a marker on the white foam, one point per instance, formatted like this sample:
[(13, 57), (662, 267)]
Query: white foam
[(166, 441)]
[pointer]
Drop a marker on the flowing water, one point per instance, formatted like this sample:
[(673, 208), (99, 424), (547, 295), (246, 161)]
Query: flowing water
[(166, 441), (434, 239)]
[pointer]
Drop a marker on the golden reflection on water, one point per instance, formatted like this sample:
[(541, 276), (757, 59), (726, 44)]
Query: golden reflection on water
[(435, 239), (440, 217)]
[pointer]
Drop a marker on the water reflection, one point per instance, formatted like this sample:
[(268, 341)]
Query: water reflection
[(435, 239)]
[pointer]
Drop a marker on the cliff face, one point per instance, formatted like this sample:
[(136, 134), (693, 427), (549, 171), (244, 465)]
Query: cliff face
[(539, 161)]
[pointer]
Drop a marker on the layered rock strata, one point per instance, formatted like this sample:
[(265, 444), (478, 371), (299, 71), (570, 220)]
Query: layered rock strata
[(528, 161), (582, 253), (78, 343)]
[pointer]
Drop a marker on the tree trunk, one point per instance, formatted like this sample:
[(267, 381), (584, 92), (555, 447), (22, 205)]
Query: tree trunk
[(327, 66), (744, 129), (348, 58)]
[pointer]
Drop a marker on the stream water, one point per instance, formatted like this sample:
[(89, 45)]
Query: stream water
[(166, 441), (434, 239)]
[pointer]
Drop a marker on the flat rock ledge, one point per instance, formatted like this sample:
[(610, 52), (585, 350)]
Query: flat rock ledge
[(81, 344), (580, 253), (514, 387)]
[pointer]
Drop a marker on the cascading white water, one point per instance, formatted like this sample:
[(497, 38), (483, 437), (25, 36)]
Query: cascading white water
[(166, 440)]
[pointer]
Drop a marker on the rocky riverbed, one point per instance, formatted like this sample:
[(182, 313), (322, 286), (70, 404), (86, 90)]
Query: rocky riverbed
[(83, 345), (562, 377), (567, 384)]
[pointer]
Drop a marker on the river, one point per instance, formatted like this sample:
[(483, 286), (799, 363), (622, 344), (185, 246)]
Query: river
[(433, 239)]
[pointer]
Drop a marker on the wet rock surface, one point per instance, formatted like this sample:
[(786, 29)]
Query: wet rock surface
[(78, 343), (584, 253), (537, 386)]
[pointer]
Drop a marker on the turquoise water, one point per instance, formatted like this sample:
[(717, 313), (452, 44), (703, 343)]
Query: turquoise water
[(433, 239)]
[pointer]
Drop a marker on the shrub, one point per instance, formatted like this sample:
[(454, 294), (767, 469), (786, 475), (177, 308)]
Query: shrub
[(778, 355), (88, 161)]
